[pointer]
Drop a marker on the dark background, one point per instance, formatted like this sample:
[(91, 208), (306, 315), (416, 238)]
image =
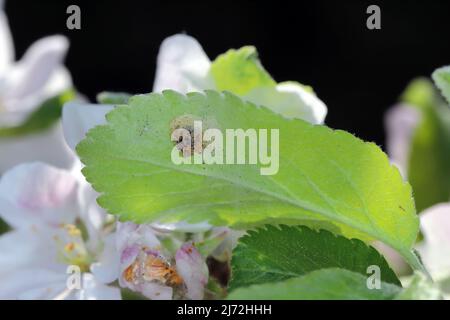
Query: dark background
[(357, 72)]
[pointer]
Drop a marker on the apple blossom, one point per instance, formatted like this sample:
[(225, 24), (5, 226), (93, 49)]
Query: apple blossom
[(49, 208), (24, 86), (435, 248), (42, 205)]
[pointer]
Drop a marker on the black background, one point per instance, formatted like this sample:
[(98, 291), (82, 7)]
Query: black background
[(357, 72)]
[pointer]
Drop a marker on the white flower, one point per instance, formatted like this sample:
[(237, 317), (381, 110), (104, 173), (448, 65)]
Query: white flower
[(435, 248), (24, 85), (45, 207), (182, 65), (48, 210)]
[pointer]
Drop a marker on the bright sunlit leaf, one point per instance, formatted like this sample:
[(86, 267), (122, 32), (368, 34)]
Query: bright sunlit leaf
[(324, 175)]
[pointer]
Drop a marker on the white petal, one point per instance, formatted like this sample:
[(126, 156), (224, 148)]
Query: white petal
[(106, 270), (59, 81), (394, 259), (229, 240), (192, 268), (37, 66), (36, 193), (47, 146), (435, 249), (129, 234), (156, 291), (291, 100), (78, 118), (123, 233), (93, 216), (400, 123), (18, 109), (182, 65), (26, 248), (32, 284), (6, 44), (146, 237), (92, 289)]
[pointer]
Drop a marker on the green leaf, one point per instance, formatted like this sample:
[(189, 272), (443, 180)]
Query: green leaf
[(429, 158), (442, 79), (325, 284), (420, 288), (275, 254), (44, 116), (240, 71), (324, 175), (115, 98)]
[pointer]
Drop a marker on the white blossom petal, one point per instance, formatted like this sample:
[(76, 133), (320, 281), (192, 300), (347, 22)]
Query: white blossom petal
[(59, 81), (35, 69), (124, 230), (157, 291), (6, 44), (32, 247), (106, 270), (129, 234), (19, 108), (228, 238), (92, 289), (93, 216), (291, 100), (35, 193), (32, 283), (182, 65), (400, 123), (192, 268), (78, 118), (46, 146), (394, 259), (435, 249)]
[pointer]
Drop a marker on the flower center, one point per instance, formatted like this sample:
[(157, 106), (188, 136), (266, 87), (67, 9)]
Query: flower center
[(71, 247)]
